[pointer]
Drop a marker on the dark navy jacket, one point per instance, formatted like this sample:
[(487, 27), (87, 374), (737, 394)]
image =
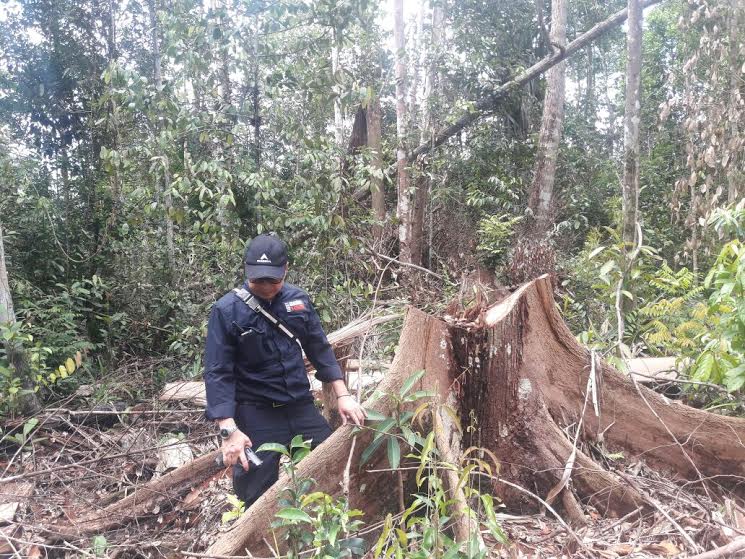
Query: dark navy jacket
[(249, 360)]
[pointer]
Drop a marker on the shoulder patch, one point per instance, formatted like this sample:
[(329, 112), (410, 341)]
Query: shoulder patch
[(295, 305)]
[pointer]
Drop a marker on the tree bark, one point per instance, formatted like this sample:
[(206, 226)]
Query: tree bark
[(541, 191), (533, 254), (734, 147), (374, 142), (631, 124), (404, 210), (428, 130)]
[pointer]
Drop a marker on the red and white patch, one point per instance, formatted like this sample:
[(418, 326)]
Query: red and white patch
[(294, 306)]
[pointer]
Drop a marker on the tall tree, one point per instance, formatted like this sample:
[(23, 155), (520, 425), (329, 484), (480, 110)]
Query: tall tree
[(533, 254), (630, 228), (405, 201), (164, 160), (374, 141), (428, 129)]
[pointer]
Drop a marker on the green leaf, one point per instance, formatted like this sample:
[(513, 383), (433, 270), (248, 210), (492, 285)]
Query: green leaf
[(370, 450), (414, 396), (295, 515), (29, 426), (383, 427), (98, 545), (409, 383), (273, 447), (394, 452), (387, 526)]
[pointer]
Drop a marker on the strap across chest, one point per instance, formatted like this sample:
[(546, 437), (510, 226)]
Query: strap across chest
[(254, 304)]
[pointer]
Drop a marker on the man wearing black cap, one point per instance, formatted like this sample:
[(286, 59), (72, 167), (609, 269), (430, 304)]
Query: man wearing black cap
[(257, 387)]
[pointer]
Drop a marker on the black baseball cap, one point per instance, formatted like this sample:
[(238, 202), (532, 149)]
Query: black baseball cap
[(265, 257)]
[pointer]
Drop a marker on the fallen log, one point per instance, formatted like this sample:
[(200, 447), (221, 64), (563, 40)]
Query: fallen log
[(523, 378)]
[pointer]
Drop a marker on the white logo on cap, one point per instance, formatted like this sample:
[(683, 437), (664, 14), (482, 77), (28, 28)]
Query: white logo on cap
[(264, 259)]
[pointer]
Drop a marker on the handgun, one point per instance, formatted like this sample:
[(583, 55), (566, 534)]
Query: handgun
[(250, 454)]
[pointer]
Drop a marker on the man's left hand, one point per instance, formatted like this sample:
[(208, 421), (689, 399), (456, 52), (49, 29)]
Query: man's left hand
[(350, 410)]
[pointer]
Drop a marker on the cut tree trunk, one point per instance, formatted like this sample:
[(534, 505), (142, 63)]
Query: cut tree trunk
[(519, 372)]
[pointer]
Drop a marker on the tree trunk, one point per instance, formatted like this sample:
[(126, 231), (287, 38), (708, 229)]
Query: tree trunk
[(167, 198), (631, 124), (630, 186), (374, 142), (533, 254), (520, 371), (428, 130), (404, 209), (734, 147), (29, 403)]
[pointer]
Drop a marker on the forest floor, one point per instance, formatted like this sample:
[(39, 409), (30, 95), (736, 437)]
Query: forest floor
[(80, 461)]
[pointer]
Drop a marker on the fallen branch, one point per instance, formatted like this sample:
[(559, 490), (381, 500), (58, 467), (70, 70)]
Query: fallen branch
[(724, 551)]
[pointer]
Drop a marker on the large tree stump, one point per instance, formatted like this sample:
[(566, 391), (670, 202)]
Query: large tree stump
[(525, 376), (520, 378)]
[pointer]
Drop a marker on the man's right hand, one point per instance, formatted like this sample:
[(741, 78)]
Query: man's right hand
[(233, 449)]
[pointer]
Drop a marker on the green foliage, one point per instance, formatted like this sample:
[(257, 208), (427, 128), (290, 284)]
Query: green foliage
[(392, 431), (236, 510), (674, 319), (495, 233), (99, 546), (723, 358), (421, 532), (15, 338), (24, 436), (313, 520)]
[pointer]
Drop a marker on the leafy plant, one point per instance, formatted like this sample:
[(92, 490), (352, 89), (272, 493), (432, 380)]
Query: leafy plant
[(421, 532), (313, 521), (23, 437), (238, 508), (723, 358)]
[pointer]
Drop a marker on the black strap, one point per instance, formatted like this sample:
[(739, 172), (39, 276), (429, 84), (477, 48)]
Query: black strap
[(254, 304)]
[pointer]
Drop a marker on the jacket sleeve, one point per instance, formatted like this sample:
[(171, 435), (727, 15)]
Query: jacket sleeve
[(219, 378), (318, 349)]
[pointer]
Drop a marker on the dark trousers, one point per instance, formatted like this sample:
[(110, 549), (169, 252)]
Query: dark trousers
[(268, 424)]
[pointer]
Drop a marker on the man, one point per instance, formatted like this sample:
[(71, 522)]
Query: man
[(257, 387)]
